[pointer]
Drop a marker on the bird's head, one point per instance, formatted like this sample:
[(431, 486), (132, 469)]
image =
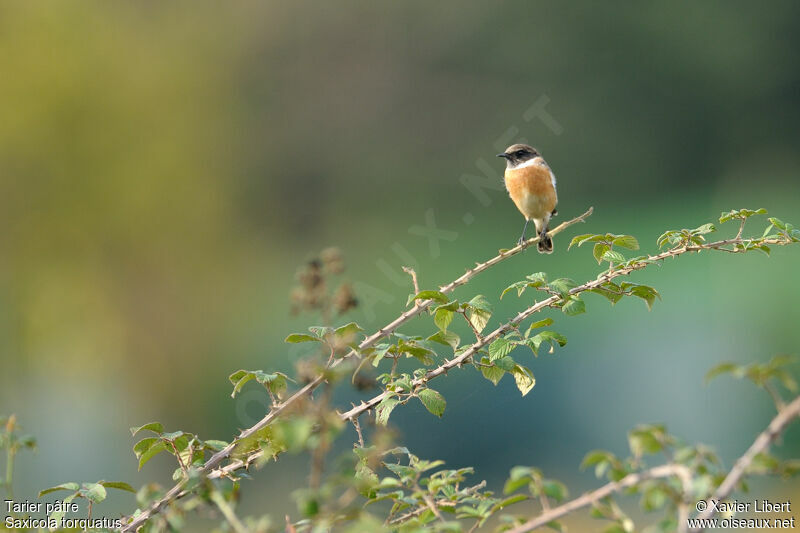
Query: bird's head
[(517, 154)]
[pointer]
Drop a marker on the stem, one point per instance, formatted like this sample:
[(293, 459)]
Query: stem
[(10, 453), (227, 512)]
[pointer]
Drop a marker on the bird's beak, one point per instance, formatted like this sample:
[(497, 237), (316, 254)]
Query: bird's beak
[(504, 156)]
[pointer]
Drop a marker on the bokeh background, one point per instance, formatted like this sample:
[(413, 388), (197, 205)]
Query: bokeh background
[(164, 169)]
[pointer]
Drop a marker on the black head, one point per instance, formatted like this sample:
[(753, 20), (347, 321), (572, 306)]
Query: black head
[(518, 153)]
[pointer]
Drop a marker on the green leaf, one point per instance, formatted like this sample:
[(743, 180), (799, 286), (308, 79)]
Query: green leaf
[(95, 492), (151, 452), (500, 348), (320, 331), (384, 409), (143, 445), (562, 286), (119, 485), (574, 306), (155, 427), (295, 338), (723, 368), (433, 401), (442, 318), (215, 445), (59, 514), (648, 294), (555, 489), (348, 331), (612, 256), (580, 239), (448, 338), (480, 302), (644, 441), (519, 286), (478, 319), (64, 486), (431, 295), (550, 337), (506, 363), (626, 241), (704, 229), (524, 379), (492, 373), (599, 251), (538, 324), (238, 379)]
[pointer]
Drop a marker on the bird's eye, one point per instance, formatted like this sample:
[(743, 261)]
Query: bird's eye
[(520, 153)]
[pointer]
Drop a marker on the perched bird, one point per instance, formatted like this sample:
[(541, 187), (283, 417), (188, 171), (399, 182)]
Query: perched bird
[(532, 186)]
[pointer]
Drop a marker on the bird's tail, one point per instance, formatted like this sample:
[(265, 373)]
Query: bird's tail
[(545, 244)]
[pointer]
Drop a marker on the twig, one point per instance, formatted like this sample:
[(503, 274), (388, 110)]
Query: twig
[(210, 466), (410, 271), (762, 443), (606, 490), (357, 425)]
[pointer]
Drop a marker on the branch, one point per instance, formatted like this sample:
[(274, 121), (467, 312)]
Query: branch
[(778, 424), (465, 356), (210, 467), (606, 490)]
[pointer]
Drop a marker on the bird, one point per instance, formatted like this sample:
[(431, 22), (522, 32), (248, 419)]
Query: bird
[(532, 186)]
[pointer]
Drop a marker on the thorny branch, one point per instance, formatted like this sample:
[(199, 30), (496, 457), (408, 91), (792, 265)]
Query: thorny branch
[(210, 466)]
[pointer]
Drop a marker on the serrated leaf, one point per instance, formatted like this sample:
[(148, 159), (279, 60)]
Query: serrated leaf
[(95, 492), (574, 306), (151, 452), (500, 348), (295, 338), (562, 285), (442, 318), (519, 286), (539, 324), (431, 295), (433, 401), (506, 363), (348, 330), (492, 373), (448, 338), (215, 445), (599, 251), (320, 331), (524, 379), (478, 318), (119, 485), (626, 241), (155, 427), (480, 302), (580, 239), (613, 256), (704, 229), (384, 409)]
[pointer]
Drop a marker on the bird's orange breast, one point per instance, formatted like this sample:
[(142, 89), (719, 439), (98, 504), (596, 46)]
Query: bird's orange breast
[(532, 189)]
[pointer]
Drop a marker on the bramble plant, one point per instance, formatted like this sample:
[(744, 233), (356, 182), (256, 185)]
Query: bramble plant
[(382, 486)]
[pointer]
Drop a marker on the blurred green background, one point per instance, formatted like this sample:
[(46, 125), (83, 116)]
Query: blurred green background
[(164, 168)]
